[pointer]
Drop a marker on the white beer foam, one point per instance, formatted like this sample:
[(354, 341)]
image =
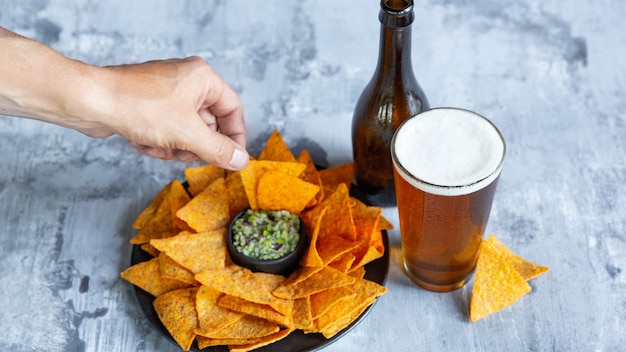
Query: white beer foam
[(448, 151)]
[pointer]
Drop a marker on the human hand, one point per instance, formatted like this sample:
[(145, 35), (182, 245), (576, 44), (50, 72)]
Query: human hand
[(174, 108), (167, 108)]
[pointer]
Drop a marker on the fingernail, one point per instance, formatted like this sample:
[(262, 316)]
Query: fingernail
[(239, 160)]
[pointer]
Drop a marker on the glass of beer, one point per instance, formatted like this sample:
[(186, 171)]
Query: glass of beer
[(446, 165)]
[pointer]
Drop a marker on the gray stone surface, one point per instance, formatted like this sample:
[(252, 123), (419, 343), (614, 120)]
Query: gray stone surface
[(549, 73)]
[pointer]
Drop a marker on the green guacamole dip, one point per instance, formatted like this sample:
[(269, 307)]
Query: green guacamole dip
[(265, 234)]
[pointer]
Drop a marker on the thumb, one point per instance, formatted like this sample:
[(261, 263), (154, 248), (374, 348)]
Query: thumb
[(218, 149)]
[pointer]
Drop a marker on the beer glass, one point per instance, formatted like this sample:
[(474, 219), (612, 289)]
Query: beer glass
[(446, 165)]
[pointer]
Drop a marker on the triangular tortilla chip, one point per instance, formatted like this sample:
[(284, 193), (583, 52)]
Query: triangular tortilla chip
[(527, 269), (343, 263), (324, 279), (147, 276), (497, 284), (151, 209), (148, 248), (334, 320), (365, 222), (208, 210), (245, 328), (170, 269), (333, 327), (323, 301), (162, 222), (279, 191), (241, 282), (334, 176), (210, 315), (196, 252), (313, 221), (301, 314), (256, 168), (276, 149), (200, 177), (337, 221), (237, 197), (330, 248), (310, 174), (264, 311), (177, 311), (264, 341)]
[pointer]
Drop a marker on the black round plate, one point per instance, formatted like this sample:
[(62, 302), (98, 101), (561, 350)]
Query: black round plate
[(297, 341)]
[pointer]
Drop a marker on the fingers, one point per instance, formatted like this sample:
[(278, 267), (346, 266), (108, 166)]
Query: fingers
[(218, 149), (186, 156), (158, 153), (222, 106), (191, 113)]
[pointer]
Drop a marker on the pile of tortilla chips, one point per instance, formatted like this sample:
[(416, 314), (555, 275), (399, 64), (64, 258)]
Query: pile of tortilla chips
[(201, 295), (500, 279)]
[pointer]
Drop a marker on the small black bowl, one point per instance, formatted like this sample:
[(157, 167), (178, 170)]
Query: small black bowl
[(281, 266)]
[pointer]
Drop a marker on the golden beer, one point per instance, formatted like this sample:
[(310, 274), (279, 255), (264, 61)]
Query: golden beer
[(447, 164)]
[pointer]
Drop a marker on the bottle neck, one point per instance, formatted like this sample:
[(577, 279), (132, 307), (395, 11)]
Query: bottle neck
[(395, 40)]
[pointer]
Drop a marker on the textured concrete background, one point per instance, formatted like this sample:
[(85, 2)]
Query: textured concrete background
[(550, 74)]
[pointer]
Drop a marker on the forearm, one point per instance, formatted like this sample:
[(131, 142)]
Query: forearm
[(40, 83)]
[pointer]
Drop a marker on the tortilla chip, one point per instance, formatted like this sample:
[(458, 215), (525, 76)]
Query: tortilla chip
[(261, 342), (208, 210), (247, 327), (149, 211), (170, 269), (343, 263), (179, 198), (334, 327), (338, 218), (330, 248), (271, 281), (148, 248), (162, 224), (210, 315), (365, 221), (371, 255), (147, 276), (333, 320), (358, 272), (200, 177), (323, 301), (497, 284), (384, 224), (177, 311), (196, 252), (237, 197), (301, 314), (264, 311), (256, 168), (311, 175), (334, 176), (322, 280), (241, 282), (279, 191), (313, 222), (527, 269), (204, 342), (276, 149), (300, 275)]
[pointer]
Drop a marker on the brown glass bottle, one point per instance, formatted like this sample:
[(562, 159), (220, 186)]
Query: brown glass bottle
[(392, 96)]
